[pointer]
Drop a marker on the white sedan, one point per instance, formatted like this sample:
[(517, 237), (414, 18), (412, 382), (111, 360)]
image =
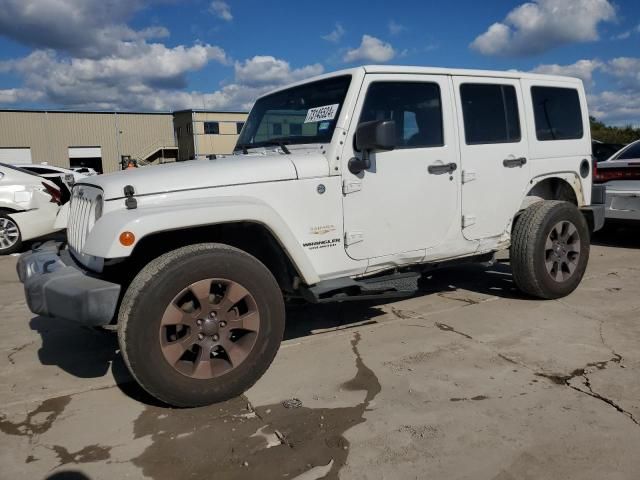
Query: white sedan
[(29, 205), (621, 175)]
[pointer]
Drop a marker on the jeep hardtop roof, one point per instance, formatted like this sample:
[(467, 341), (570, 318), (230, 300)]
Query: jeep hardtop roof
[(413, 70)]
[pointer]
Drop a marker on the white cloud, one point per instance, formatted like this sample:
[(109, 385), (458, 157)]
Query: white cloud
[(221, 9), (335, 35), (15, 95), (267, 70), (88, 28), (395, 28), (582, 69), (371, 49), (541, 25), (615, 107)]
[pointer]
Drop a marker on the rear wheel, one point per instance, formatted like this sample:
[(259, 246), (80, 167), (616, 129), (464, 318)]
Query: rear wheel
[(10, 236), (549, 249), (201, 324)]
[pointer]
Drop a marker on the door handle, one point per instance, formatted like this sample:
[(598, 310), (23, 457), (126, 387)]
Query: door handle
[(514, 162), (442, 168)]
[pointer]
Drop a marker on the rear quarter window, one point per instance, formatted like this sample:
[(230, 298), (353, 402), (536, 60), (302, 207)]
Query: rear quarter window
[(557, 113)]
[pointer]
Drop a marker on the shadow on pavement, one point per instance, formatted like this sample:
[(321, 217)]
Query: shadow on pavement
[(618, 234), (67, 475), (87, 352)]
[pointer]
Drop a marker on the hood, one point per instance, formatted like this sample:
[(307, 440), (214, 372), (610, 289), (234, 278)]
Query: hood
[(196, 174)]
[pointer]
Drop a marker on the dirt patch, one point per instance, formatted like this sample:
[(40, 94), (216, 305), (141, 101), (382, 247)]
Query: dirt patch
[(235, 441)]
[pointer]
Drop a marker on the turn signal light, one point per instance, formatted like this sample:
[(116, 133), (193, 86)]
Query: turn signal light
[(127, 239)]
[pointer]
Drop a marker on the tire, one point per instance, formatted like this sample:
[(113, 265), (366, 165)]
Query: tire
[(211, 370), (10, 235), (549, 249)]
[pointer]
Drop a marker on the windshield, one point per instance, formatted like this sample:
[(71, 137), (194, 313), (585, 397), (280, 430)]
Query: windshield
[(304, 114)]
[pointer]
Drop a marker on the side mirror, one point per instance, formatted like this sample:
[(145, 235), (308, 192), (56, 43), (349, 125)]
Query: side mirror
[(376, 135), (372, 136)]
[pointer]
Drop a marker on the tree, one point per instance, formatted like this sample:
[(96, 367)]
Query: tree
[(612, 134)]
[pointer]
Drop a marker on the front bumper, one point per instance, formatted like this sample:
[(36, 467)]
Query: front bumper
[(56, 286)]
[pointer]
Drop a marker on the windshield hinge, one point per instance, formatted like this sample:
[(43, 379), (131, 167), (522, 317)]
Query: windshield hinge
[(350, 186)]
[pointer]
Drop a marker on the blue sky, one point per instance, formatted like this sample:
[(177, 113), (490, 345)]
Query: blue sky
[(221, 54)]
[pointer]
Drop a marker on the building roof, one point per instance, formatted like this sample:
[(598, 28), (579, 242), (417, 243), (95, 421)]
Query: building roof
[(103, 112), (202, 110)]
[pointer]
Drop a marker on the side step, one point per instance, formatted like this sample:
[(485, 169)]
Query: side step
[(393, 285), (396, 285)]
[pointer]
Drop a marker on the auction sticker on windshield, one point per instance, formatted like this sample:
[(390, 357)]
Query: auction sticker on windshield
[(320, 114)]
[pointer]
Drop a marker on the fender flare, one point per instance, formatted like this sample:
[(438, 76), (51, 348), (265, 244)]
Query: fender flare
[(143, 221), (571, 178)]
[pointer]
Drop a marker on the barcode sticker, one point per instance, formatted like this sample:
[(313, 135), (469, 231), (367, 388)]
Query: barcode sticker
[(320, 114)]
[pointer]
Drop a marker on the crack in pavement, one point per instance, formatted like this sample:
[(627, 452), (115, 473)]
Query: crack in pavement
[(16, 350), (555, 378)]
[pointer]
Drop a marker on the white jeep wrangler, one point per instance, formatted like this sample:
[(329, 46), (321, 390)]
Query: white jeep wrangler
[(339, 186)]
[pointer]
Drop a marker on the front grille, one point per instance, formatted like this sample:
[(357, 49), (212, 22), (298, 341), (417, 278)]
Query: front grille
[(81, 215)]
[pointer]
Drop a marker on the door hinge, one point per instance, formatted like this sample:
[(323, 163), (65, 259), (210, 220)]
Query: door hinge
[(353, 237), (468, 220), (350, 186), (468, 176)]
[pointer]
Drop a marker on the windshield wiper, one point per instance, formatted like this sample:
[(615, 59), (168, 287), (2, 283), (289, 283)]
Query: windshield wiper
[(277, 142)]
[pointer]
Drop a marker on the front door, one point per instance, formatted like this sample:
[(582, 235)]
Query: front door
[(407, 200), (495, 166)]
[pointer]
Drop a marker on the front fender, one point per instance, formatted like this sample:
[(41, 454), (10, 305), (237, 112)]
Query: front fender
[(103, 240)]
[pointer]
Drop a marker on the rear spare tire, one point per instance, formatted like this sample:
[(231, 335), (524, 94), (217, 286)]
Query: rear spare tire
[(549, 249), (201, 324)]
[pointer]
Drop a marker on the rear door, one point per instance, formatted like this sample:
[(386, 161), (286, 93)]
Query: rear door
[(494, 153)]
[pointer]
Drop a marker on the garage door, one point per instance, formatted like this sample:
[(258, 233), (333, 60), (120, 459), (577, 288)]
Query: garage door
[(85, 152), (15, 155)]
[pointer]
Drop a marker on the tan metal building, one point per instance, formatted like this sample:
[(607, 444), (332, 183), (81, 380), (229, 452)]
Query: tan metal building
[(98, 140), (203, 133)]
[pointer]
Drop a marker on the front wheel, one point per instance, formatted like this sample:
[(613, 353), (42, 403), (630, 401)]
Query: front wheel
[(201, 324), (549, 249)]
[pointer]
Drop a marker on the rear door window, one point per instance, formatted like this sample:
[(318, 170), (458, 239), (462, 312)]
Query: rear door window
[(490, 113), (557, 113)]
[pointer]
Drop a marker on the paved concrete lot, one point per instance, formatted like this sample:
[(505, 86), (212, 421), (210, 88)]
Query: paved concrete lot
[(469, 381)]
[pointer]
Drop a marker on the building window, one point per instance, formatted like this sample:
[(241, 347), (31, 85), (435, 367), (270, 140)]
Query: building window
[(490, 113), (277, 129), (239, 126), (179, 132), (557, 113), (295, 129), (189, 128), (212, 128)]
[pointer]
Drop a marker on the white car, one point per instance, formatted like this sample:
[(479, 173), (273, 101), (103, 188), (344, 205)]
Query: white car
[(64, 178), (347, 186), (620, 174), (29, 206)]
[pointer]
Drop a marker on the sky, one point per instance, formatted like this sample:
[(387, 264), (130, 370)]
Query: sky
[(163, 55)]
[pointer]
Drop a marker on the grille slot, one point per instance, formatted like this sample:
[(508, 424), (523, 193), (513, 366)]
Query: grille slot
[(80, 208)]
